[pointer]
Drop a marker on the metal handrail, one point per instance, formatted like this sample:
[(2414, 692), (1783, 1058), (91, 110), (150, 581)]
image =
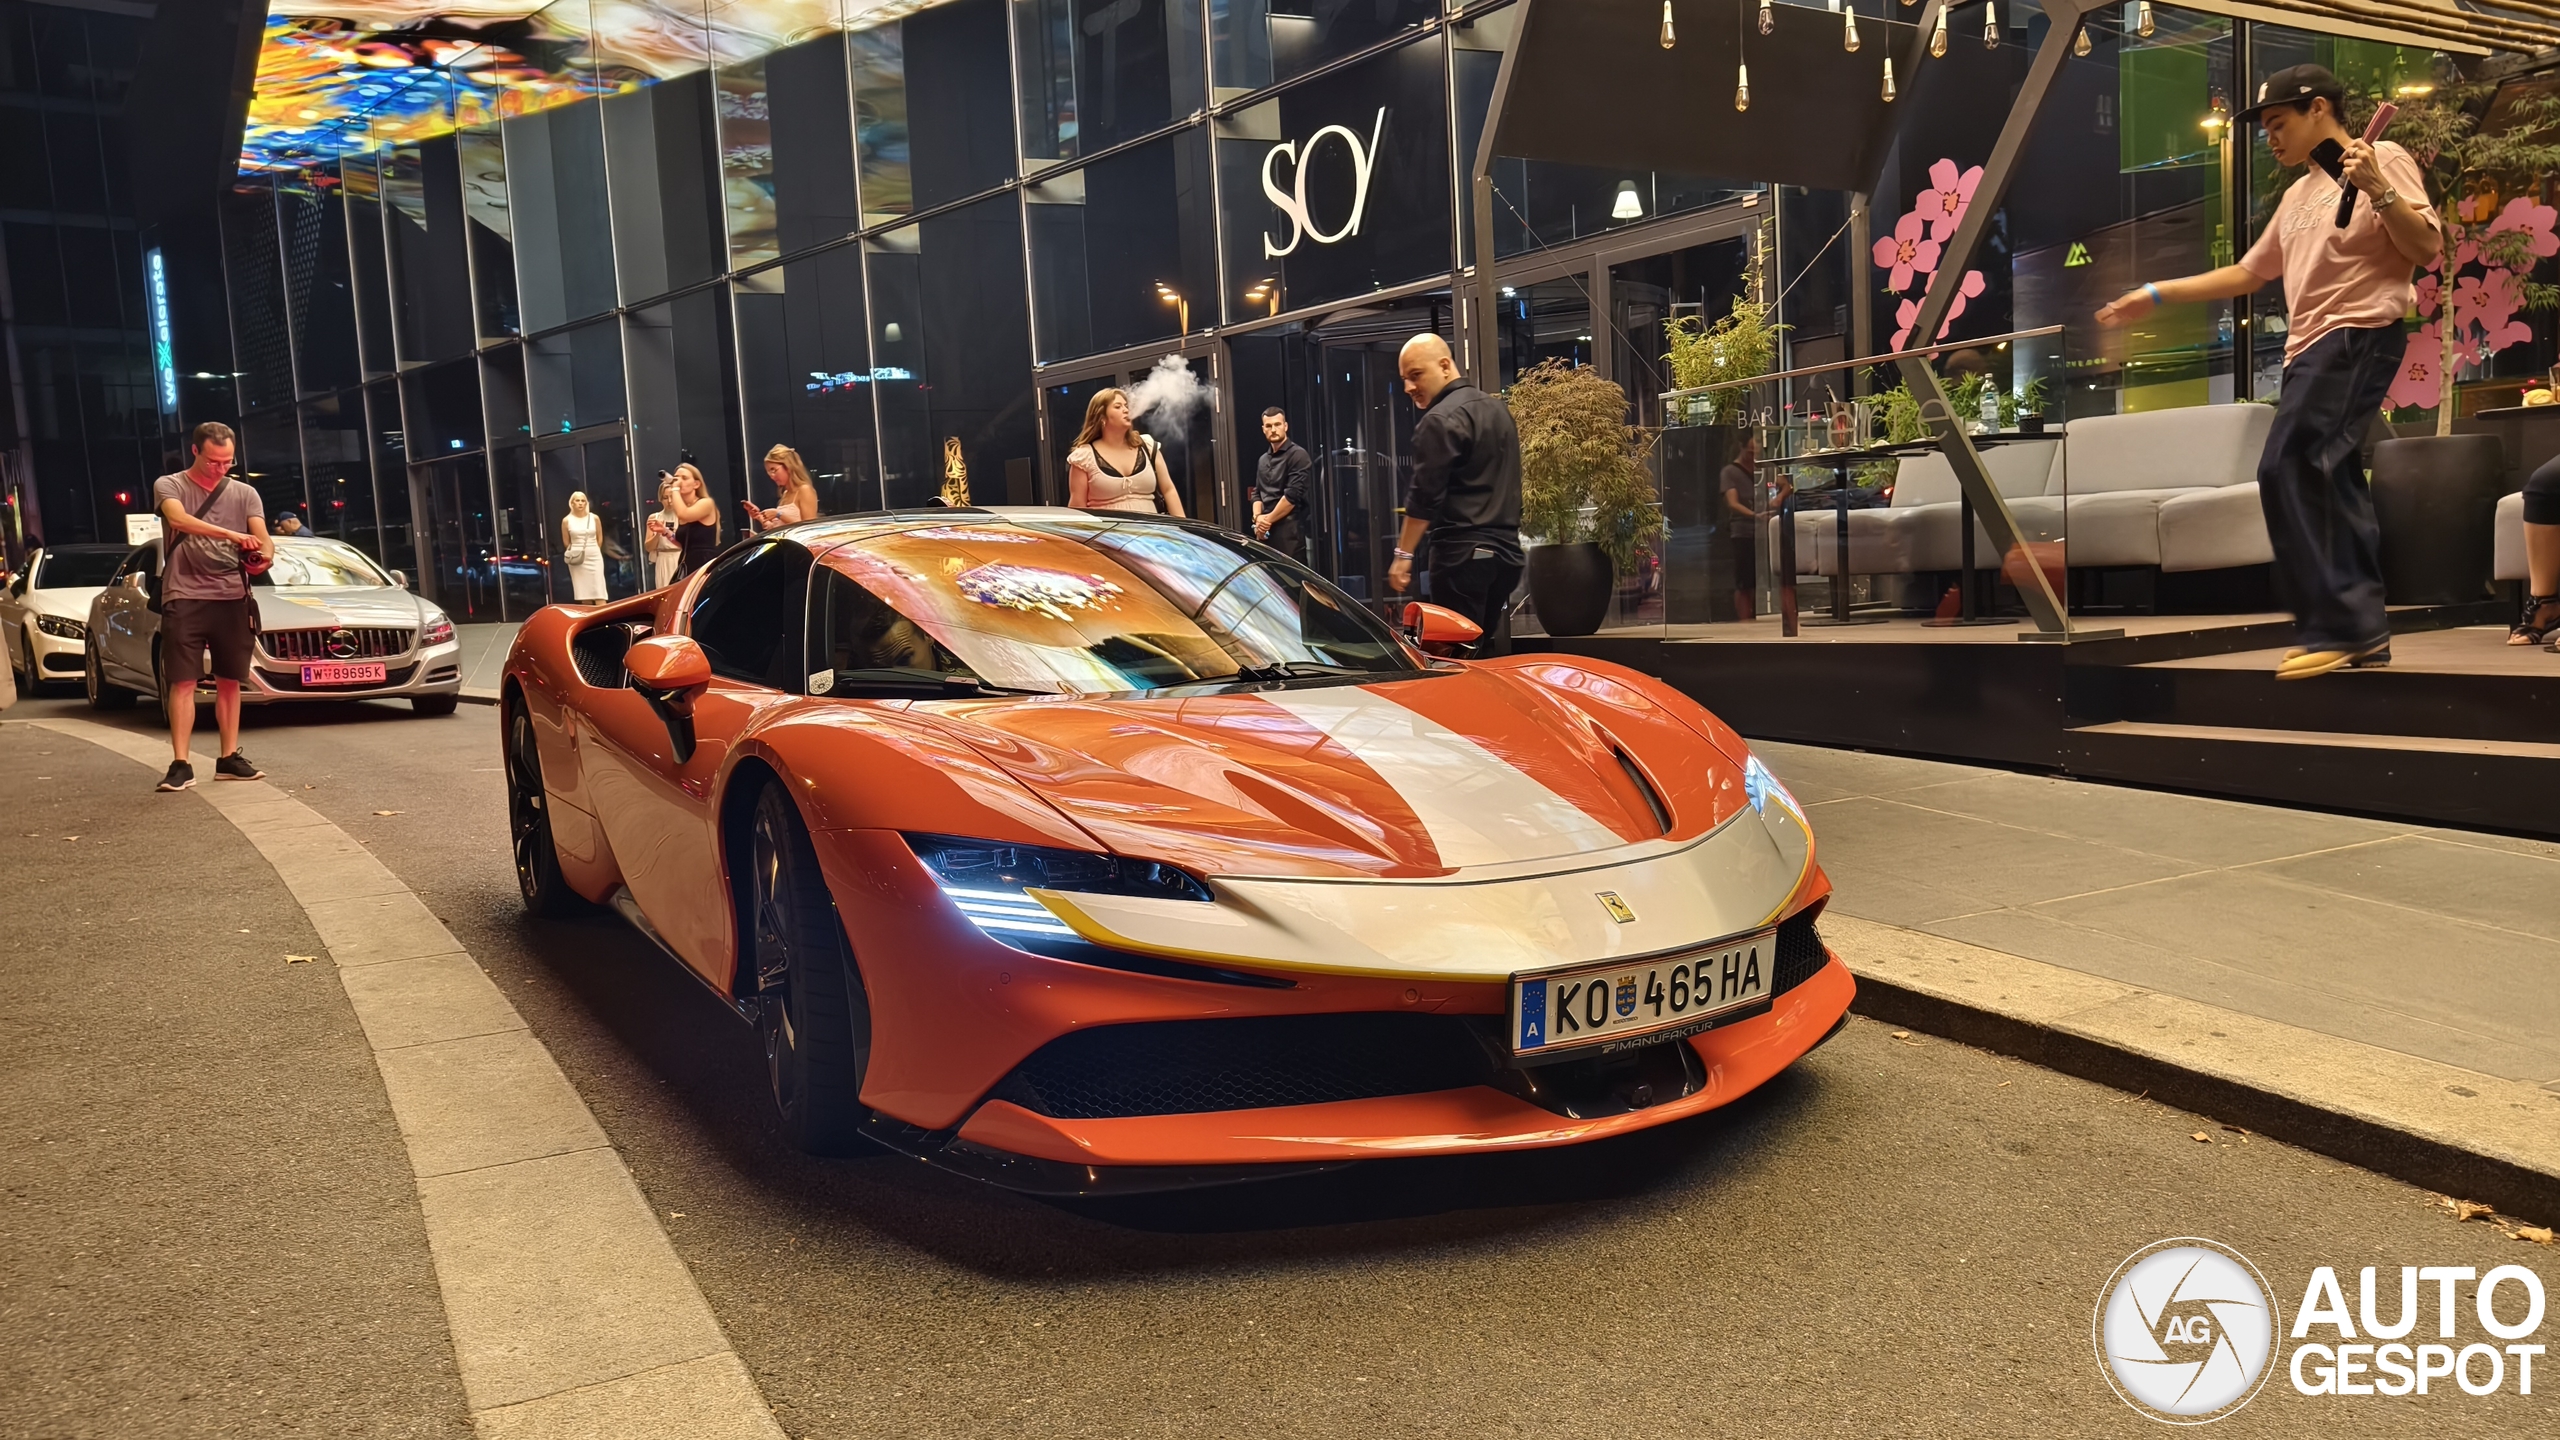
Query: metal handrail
[(1850, 364)]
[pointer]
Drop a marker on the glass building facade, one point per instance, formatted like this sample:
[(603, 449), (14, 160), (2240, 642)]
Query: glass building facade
[(912, 241)]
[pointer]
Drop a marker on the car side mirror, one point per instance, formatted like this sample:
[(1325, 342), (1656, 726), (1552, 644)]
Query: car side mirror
[(670, 672), (1430, 624), (400, 578), (137, 581)]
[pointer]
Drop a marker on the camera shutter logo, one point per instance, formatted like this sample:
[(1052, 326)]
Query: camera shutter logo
[(2185, 1331), (1293, 201)]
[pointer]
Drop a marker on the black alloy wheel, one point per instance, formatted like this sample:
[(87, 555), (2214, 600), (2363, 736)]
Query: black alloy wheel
[(546, 891), (808, 998), (102, 696)]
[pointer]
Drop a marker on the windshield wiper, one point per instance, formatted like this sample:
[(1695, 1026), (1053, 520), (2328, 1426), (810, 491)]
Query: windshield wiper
[(922, 685)]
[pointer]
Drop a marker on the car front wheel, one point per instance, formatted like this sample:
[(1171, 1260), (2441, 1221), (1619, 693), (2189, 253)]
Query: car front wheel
[(102, 696), (808, 998), (546, 891)]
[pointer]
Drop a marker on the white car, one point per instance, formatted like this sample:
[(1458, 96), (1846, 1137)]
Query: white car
[(44, 613), (331, 626)]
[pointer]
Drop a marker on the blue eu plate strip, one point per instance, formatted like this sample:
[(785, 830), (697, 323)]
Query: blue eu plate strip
[(1533, 1014)]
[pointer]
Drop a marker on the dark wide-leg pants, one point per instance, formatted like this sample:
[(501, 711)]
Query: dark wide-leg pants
[(2328, 566)]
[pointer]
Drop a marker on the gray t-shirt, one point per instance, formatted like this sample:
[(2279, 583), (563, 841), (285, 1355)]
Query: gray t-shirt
[(202, 567)]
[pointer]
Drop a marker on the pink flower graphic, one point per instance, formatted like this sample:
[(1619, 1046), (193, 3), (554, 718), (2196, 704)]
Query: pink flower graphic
[(2522, 214), (1909, 311), (1907, 252), (2428, 286), (2418, 382), (1945, 202)]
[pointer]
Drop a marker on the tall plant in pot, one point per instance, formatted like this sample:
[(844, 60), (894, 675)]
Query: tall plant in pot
[(1586, 493)]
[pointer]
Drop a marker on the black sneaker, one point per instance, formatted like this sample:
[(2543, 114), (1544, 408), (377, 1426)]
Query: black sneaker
[(181, 776), (236, 766)]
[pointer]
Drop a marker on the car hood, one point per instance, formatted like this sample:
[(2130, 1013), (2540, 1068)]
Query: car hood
[(318, 609), (1476, 771), (66, 602)]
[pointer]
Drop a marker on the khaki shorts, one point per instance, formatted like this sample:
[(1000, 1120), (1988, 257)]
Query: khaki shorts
[(192, 630)]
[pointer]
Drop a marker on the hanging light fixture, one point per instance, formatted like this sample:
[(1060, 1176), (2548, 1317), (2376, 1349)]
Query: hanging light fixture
[(1849, 31), (1742, 87), (2143, 24), (1938, 37), (1991, 25), (2080, 42), (1668, 38), (1741, 64), (1889, 91), (1768, 18), (1629, 206)]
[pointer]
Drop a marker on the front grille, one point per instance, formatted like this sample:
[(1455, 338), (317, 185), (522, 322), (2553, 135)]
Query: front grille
[(290, 682), (1800, 953), (370, 643), (1189, 1067)]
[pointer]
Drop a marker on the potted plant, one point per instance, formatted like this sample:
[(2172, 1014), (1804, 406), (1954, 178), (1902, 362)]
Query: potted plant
[(2485, 157), (1586, 494)]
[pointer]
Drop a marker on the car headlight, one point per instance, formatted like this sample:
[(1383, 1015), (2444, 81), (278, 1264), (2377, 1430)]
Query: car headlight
[(439, 630), (1760, 785), (66, 629), (988, 881)]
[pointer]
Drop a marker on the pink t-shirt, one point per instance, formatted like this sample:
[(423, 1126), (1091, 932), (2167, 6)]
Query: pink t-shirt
[(2333, 278)]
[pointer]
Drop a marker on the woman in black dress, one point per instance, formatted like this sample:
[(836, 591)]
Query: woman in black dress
[(697, 522)]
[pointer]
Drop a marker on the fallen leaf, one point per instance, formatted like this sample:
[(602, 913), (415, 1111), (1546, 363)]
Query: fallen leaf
[(300, 959), (2234, 1129), (390, 812), (2538, 1234), (2201, 1138), (2003, 1085), (2462, 1210), (70, 837), (1901, 1034)]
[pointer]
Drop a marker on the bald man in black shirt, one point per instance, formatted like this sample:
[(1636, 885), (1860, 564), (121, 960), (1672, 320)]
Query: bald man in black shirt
[(1465, 493)]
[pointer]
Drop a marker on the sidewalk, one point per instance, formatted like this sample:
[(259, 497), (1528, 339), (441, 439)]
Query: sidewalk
[(484, 660), (2388, 993)]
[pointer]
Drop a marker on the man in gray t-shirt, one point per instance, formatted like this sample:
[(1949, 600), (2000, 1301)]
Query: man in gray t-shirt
[(208, 521)]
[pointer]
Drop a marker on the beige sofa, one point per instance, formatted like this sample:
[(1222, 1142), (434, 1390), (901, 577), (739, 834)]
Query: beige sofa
[(2509, 562)]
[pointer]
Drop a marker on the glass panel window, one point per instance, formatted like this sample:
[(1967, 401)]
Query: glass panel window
[(1550, 320), (1122, 249), (1703, 280), (256, 280), (502, 394), (312, 218), (362, 181), (339, 464), (1337, 187), (430, 267), (949, 312), (684, 387), (576, 378), (483, 156), (1097, 72), (270, 459), (391, 476), (663, 151), (443, 409), (526, 565), (878, 57), (563, 229), (805, 355), (957, 66), (787, 151), (1263, 42)]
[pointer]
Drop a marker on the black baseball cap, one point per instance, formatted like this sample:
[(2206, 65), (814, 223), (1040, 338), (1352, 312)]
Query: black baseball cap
[(2296, 85)]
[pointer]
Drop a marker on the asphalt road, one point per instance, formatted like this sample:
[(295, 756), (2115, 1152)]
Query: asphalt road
[(1901, 1235)]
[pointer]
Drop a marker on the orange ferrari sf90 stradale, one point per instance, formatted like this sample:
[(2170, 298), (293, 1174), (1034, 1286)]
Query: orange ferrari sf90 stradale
[(1088, 853)]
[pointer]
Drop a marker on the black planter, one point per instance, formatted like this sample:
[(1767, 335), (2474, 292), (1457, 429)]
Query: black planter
[(2436, 498), (1570, 586)]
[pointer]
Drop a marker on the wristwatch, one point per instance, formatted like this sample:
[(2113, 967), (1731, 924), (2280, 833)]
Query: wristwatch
[(2385, 200), (1404, 554)]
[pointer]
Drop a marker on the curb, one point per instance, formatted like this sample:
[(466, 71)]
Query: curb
[(2455, 1131)]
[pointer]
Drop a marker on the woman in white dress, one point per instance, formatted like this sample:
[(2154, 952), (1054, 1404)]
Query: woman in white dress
[(661, 544), (582, 549)]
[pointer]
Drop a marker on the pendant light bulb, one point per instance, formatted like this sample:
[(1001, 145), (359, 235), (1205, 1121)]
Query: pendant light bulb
[(1768, 18), (1741, 87), (1889, 91), (1668, 38), (2143, 24), (2080, 42), (1938, 36), (1849, 31), (1991, 25)]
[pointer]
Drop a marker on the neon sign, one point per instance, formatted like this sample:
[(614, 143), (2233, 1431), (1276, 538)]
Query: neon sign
[(1293, 202), (164, 360)]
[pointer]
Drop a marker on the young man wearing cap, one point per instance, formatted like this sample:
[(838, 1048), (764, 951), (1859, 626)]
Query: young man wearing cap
[(2346, 291)]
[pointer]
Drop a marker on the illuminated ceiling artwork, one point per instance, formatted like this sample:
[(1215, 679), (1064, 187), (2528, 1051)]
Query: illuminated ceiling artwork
[(342, 77)]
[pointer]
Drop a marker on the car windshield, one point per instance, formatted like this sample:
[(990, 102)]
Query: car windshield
[(75, 569), (319, 565), (1084, 608)]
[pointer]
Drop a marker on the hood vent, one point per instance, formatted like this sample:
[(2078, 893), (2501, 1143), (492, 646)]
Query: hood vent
[(1652, 798)]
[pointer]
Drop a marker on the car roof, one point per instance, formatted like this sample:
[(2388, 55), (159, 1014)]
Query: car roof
[(831, 530)]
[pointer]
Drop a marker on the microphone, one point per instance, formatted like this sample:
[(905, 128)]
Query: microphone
[(2372, 131)]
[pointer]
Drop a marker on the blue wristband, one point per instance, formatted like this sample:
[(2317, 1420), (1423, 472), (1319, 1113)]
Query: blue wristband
[(2154, 292)]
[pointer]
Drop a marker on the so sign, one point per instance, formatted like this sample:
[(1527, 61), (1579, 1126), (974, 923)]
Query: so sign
[(1292, 201)]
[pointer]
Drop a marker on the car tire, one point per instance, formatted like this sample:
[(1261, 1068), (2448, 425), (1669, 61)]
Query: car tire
[(434, 704), (808, 998), (546, 891), (102, 695)]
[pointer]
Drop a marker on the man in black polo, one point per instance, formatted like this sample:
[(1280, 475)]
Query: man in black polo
[(1466, 493), (1280, 487)]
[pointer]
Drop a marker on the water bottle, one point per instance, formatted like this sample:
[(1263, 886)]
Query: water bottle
[(1990, 409)]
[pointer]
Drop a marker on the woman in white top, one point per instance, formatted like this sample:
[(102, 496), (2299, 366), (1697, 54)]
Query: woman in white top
[(582, 549), (1113, 467), (660, 541), (799, 494)]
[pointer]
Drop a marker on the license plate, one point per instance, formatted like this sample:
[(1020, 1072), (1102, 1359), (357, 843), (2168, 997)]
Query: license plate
[(334, 672), (1618, 1005)]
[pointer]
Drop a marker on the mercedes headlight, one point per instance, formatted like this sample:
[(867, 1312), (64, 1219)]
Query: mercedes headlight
[(57, 626), (439, 629)]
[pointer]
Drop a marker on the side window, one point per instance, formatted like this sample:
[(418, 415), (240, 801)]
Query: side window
[(750, 615)]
